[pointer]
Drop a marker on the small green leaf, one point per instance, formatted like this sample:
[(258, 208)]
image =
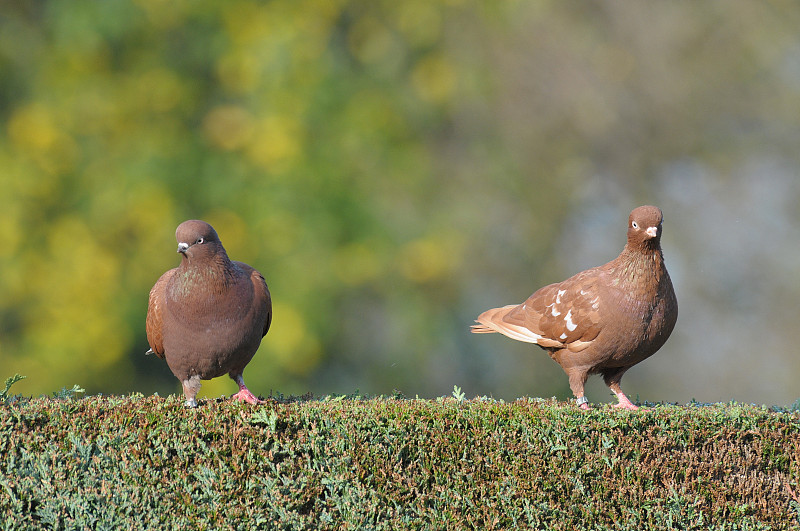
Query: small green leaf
[(458, 394), (9, 382)]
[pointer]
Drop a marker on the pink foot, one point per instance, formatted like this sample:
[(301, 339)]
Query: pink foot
[(245, 395), (583, 403), (624, 403)]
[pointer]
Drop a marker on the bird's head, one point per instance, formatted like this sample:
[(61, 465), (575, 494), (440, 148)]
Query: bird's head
[(644, 227), (197, 240)]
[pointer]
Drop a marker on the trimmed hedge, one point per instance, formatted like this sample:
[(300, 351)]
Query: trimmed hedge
[(387, 463)]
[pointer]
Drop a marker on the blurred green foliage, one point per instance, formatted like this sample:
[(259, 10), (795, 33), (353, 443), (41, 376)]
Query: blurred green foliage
[(304, 131), (392, 168)]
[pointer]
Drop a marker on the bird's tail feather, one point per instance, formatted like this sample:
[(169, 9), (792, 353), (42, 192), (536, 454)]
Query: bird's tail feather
[(486, 320)]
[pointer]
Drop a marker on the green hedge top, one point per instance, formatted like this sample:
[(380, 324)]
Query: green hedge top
[(387, 463)]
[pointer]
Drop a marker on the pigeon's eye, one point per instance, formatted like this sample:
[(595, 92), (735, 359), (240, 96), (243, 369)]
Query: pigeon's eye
[(200, 240), (634, 225)]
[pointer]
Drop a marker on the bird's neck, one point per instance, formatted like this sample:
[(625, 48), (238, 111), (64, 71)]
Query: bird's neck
[(642, 264), (214, 274)]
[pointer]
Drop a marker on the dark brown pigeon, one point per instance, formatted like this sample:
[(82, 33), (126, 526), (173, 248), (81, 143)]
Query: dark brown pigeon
[(207, 316), (603, 320)]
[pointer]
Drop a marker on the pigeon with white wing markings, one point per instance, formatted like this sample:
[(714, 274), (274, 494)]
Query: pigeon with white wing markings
[(603, 320)]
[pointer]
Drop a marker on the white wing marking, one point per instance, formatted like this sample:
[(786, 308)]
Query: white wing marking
[(570, 325)]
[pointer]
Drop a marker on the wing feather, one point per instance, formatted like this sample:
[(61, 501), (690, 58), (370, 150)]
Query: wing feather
[(154, 325), (562, 315), (260, 291)]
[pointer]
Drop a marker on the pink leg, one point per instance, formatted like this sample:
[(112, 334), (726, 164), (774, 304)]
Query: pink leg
[(583, 403), (244, 393), (612, 378), (624, 402)]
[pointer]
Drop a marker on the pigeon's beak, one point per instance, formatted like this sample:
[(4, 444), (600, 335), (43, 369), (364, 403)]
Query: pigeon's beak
[(182, 247), (652, 231)]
